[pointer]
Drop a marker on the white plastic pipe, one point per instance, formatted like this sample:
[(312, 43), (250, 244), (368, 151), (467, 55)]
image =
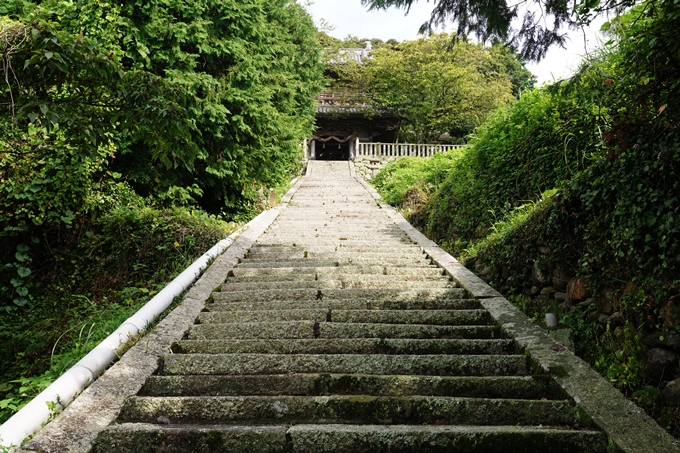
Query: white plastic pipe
[(31, 417)]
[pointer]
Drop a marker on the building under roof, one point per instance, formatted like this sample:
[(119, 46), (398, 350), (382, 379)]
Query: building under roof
[(341, 124)]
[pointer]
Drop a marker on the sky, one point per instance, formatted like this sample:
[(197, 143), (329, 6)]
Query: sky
[(349, 17)]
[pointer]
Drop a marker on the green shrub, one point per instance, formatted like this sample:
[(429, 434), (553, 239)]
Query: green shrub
[(395, 180), (90, 278)]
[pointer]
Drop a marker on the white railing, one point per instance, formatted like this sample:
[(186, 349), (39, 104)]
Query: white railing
[(401, 149)]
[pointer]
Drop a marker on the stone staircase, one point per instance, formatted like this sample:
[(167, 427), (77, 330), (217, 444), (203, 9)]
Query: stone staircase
[(336, 333)]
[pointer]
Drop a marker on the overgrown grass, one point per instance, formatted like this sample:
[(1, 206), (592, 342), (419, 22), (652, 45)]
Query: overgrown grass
[(398, 177), (91, 278)]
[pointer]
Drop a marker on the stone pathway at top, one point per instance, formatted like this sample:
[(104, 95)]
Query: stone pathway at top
[(336, 333)]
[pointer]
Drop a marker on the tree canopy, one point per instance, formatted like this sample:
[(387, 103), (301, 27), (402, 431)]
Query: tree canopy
[(437, 87), (198, 102), (538, 24)]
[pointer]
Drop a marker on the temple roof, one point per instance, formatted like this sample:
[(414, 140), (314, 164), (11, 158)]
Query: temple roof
[(352, 54)]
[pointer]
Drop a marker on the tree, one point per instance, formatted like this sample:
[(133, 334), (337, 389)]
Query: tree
[(542, 21), (66, 99), (434, 87), (247, 70)]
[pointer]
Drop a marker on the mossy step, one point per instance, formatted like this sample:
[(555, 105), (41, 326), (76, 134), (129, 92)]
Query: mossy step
[(416, 261), (365, 238), (272, 315), (436, 317), (310, 329), (441, 439), (343, 249), (240, 273), (346, 346), (305, 254), (347, 275), (147, 438), (321, 237), (365, 409), (316, 248), (365, 244), (254, 330), (424, 331), (517, 387), (327, 294), (428, 365), (347, 304), (312, 233), (287, 223), (341, 282)]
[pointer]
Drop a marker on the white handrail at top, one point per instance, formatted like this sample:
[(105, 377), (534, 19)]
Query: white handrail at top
[(401, 149)]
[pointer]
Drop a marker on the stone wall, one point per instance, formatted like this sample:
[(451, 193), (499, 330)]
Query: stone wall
[(556, 289), (362, 165)]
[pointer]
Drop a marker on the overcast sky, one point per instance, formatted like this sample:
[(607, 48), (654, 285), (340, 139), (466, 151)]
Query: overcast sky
[(350, 18)]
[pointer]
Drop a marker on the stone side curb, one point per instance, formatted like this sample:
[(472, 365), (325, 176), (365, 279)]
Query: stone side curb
[(76, 428), (627, 426)]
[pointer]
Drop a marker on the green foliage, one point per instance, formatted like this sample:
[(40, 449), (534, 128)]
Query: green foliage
[(532, 146), (395, 180), (253, 69), (209, 100), (435, 87), (91, 278)]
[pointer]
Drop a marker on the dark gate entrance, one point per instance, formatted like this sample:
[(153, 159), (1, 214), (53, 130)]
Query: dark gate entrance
[(332, 150)]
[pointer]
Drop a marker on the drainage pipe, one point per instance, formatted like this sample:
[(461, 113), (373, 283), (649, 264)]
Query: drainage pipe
[(32, 416)]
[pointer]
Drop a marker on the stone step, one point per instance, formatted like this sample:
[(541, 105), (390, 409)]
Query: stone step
[(319, 209), (441, 439), (305, 276), (328, 294), (440, 365), (336, 333), (311, 329), (347, 304), (331, 256), (367, 242), (285, 234), (302, 223), (280, 272), (147, 438), (365, 409), (336, 228), (516, 387), (367, 238), (340, 282), (347, 346), (396, 248), (436, 317), (172, 438), (356, 261)]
